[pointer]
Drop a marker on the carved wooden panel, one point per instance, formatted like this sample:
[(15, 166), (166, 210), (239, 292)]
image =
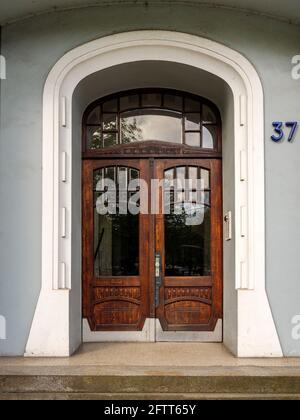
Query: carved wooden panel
[(116, 307), (188, 305), (151, 148)]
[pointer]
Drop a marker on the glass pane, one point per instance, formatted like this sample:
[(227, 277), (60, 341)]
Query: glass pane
[(187, 247), (205, 178), (173, 102), (98, 177), (109, 122), (192, 139), (152, 100), (113, 256), (129, 102), (193, 173), (110, 173), (180, 174), (192, 122), (169, 176), (191, 105), (187, 228), (145, 125), (110, 106), (113, 229), (94, 117), (94, 140), (134, 174), (207, 198), (110, 139), (208, 116), (208, 137)]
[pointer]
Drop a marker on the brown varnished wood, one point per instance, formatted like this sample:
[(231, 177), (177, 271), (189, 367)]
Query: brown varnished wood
[(188, 281), (186, 303), (196, 301), (151, 149), (87, 234), (198, 294), (125, 300)]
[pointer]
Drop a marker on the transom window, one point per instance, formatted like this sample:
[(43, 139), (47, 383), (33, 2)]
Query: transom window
[(151, 115)]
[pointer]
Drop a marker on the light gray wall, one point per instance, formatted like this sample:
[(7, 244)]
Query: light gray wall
[(33, 46)]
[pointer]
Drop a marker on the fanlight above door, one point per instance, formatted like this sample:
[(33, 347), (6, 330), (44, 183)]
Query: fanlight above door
[(152, 115)]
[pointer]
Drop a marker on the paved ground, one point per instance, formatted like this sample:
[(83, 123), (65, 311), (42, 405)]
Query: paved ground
[(176, 358)]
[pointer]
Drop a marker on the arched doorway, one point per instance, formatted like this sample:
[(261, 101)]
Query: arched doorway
[(152, 215), (56, 327)]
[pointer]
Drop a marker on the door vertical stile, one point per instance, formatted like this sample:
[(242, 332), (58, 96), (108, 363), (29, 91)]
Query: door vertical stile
[(159, 234), (87, 233)]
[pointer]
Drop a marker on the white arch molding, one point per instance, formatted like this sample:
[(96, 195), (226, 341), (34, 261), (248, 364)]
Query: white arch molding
[(50, 332)]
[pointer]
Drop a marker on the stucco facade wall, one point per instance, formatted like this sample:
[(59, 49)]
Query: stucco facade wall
[(33, 46)]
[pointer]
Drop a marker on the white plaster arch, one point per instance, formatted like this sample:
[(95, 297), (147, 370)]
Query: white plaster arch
[(50, 331)]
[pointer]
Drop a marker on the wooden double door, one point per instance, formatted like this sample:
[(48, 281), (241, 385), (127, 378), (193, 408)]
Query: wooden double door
[(152, 243)]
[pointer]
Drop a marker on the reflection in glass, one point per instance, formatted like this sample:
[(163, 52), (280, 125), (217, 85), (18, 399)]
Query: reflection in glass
[(94, 139), (205, 178), (173, 102), (110, 139), (94, 117), (152, 115), (192, 139), (116, 236), (191, 105), (187, 247), (129, 102), (109, 122), (192, 122), (193, 173), (142, 125), (208, 115), (208, 137), (153, 100), (188, 231), (110, 106)]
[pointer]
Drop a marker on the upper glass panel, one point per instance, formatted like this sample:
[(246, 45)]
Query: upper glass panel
[(152, 114), (144, 124), (116, 228), (187, 205)]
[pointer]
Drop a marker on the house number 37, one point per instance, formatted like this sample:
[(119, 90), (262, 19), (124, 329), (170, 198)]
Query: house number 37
[(280, 128)]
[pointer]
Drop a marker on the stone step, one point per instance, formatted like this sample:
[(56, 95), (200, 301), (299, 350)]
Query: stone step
[(244, 384), (145, 397)]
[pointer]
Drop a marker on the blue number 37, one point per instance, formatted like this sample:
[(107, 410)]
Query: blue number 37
[(278, 128)]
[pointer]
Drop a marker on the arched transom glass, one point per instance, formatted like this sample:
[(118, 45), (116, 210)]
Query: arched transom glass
[(152, 115)]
